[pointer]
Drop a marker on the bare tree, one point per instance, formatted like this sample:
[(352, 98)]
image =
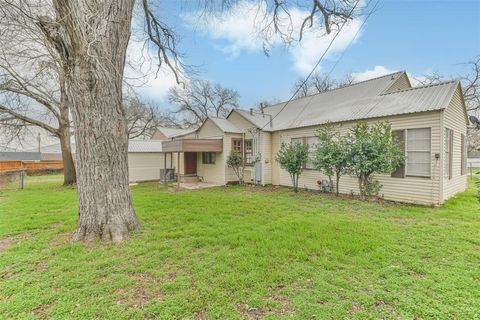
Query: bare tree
[(318, 83), (32, 85), (201, 99), (91, 38), (143, 117), (471, 93)]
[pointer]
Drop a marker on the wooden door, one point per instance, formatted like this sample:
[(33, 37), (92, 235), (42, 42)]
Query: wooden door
[(190, 163)]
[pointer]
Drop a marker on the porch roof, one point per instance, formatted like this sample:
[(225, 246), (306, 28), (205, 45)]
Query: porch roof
[(193, 145)]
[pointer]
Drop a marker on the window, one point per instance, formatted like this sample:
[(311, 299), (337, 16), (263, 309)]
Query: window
[(464, 155), (399, 137), (248, 152), (448, 144), (237, 145), (418, 152), (296, 140), (208, 157), (312, 147)]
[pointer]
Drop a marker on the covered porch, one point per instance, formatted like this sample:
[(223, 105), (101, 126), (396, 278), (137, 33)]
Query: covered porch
[(184, 156)]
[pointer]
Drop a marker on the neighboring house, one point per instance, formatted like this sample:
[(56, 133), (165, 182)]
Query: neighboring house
[(19, 155), (145, 158), (431, 121)]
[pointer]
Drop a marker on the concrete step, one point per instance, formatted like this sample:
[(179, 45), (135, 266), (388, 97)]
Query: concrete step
[(189, 179)]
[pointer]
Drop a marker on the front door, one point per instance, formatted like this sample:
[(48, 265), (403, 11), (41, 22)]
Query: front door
[(190, 163)]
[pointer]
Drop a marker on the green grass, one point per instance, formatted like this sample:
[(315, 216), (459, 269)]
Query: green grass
[(233, 253)]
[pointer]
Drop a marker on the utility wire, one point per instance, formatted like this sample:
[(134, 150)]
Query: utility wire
[(341, 56), (316, 65)]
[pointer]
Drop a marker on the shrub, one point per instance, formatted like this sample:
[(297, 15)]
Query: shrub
[(235, 161), (331, 155), (292, 157), (372, 150)]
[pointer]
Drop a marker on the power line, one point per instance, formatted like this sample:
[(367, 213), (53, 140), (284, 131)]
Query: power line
[(341, 56), (317, 64)]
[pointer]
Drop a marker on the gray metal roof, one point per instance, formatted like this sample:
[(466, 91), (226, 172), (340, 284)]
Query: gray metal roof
[(225, 125), (362, 100), (144, 146), (175, 132)]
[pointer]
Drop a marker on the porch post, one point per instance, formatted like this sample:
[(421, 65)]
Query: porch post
[(178, 170), (165, 168)]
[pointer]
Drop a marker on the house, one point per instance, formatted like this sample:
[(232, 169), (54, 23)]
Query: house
[(145, 158), (431, 122)]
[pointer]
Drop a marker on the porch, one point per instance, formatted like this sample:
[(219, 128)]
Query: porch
[(186, 152)]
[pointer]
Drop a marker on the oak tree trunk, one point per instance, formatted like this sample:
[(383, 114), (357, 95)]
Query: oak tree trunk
[(92, 37), (69, 173)]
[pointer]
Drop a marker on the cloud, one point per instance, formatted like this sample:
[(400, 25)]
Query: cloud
[(376, 72), (241, 27), (142, 73)]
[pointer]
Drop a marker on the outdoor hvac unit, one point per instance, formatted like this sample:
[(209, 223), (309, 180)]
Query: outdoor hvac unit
[(327, 186), (170, 175)]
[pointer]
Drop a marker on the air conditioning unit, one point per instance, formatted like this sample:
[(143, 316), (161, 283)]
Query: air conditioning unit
[(170, 175), (327, 186)]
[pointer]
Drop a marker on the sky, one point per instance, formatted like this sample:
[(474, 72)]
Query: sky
[(420, 37)]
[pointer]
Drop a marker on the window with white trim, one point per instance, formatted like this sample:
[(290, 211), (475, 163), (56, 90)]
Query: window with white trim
[(418, 152), (311, 142), (448, 145)]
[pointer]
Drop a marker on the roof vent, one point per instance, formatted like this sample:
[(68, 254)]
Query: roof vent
[(261, 107), (251, 111)]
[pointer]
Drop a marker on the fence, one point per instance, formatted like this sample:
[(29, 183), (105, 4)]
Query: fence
[(32, 165)]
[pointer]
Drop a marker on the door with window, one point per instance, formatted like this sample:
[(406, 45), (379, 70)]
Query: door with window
[(190, 163)]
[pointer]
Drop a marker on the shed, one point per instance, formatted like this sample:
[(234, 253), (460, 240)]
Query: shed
[(145, 159)]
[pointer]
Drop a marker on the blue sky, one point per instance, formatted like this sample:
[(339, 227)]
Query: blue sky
[(417, 36)]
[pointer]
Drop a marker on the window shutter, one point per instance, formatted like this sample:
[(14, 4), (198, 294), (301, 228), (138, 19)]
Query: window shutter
[(399, 136)]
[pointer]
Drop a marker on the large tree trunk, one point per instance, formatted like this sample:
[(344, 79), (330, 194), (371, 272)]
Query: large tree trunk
[(69, 173), (93, 38)]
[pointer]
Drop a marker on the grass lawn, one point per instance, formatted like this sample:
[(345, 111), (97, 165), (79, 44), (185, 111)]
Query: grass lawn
[(241, 253)]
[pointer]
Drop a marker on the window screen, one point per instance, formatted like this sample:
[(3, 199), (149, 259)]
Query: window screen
[(312, 147), (448, 144), (418, 152), (248, 152), (208, 157)]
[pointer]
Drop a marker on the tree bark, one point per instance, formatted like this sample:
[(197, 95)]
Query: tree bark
[(69, 172), (337, 183), (92, 37)]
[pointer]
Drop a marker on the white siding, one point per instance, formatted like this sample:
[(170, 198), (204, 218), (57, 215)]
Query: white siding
[(409, 189), (144, 166), (454, 119), (266, 152), (401, 83)]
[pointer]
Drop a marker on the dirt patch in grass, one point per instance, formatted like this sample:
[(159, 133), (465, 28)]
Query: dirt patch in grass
[(276, 296), (5, 244), (41, 312), (200, 315), (252, 312), (356, 307), (145, 289)]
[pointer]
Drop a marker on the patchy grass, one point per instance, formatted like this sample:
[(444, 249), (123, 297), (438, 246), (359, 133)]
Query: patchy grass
[(241, 253)]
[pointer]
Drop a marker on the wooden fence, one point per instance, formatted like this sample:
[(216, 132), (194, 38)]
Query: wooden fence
[(16, 164)]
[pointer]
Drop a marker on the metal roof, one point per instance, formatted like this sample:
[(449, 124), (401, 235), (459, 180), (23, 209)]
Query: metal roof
[(174, 132), (362, 100), (144, 146), (225, 125)]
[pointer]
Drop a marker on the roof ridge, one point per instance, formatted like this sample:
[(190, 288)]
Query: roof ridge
[(421, 87), (342, 87)]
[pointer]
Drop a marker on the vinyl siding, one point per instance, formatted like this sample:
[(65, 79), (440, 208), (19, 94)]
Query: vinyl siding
[(209, 130), (266, 160), (157, 135), (454, 119), (409, 189), (145, 166), (275, 166), (401, 83)]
